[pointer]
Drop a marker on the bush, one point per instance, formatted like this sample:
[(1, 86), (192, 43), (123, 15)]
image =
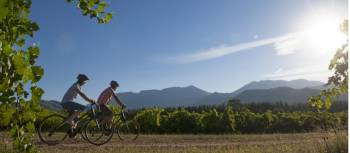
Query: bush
[(181, 121), (226, 120), (149, 120)]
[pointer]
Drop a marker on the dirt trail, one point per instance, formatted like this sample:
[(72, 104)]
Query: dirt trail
[(245, 143), (199, 140)]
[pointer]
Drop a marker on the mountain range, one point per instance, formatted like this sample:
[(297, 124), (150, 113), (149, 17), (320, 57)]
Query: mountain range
[(295, 91)]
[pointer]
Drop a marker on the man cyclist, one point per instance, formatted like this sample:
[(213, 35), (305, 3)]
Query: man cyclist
[(103, 100), (69, 100)]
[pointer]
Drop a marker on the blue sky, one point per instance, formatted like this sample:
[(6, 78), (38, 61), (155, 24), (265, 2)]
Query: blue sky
[(215, 45)]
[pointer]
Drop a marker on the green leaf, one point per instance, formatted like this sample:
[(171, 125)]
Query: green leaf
[(4, 84), (30, 127), (91, 3), (6, 116), (28, 116), (19, 88), (33, 51), (13, 131), (27, 75), (36, 93), (34, 26), (20, 42), (38, 72), (101, 7), (108, 17), (20, 63), (3, 9), (7, 49)]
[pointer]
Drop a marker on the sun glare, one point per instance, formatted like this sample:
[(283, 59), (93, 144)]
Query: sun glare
[(323, 36)]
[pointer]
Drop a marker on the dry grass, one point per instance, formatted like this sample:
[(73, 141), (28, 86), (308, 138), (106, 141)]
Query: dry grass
[(263, 143), (253, 143)]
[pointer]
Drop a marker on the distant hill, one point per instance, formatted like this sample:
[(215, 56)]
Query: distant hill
[(284, 94), (268, 84), (168, 97), (256, 91), (218, 98), (51, 104)]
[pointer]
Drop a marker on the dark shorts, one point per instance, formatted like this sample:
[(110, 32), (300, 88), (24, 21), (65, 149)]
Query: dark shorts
[(72, 106), (106, 111)]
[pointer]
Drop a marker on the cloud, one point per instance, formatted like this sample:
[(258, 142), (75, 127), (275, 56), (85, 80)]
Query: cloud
[(288, 45), (284, 45), (311, 72), (307, 42)]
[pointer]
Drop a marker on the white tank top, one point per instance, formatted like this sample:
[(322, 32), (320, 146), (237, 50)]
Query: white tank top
[(71, 93)]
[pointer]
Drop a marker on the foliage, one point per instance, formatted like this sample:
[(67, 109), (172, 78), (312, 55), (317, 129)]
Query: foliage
[(228, 119), (19, 94), (221, 121), (339, 80), (149, 119), (181, 121), (18, 106), (262, 107), (93, 9)]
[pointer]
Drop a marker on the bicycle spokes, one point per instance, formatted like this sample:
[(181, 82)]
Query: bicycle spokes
[(98, 134), (128, 130), (52, 129)]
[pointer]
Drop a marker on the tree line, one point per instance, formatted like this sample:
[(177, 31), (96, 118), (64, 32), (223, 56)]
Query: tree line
[(230, 120), (233, 117)]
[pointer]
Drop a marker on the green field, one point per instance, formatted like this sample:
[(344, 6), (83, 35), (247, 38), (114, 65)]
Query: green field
[(274, 143)]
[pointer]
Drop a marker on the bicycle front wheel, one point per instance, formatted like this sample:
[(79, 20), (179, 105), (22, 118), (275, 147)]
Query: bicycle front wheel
[(53, 129), (128, 130), (98, 134)]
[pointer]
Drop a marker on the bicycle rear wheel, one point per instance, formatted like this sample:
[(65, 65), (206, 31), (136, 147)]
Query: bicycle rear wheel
[(128, 130), (53, 129), (97, 134)]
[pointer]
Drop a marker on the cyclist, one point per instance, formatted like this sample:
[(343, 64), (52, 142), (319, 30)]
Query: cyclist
[(103, 100), (69, 100)]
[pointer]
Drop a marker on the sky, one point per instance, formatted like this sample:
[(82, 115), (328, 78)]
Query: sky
[(217, 46)]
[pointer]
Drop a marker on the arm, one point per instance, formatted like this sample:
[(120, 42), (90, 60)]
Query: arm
[(84, 96), (119, 101)]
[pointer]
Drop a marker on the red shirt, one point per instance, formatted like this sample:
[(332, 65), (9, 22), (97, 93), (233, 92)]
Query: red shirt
[(106, 96)]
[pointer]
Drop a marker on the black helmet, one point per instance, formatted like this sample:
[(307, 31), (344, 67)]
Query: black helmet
[(82, 77), (114, 83)]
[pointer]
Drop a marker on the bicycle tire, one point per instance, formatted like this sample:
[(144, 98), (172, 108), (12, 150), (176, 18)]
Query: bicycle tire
[(128, 130), (93, 126), (57, 130)]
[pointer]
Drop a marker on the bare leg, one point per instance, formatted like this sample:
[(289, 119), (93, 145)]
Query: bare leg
[(71, 118)]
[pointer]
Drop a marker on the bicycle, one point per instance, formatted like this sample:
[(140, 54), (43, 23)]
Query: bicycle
[(126, 127), (53, 129)]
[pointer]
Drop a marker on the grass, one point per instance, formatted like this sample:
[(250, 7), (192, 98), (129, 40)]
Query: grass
[(262, 143), (336, 144)]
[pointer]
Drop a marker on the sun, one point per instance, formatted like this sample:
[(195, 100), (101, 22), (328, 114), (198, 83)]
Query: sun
[(323, 36)]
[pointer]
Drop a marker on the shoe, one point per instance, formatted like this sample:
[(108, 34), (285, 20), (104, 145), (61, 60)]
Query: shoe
[(107, 130), (72, 133)]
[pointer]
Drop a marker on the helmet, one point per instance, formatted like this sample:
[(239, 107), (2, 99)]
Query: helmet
[(82, 77), (114, 83)]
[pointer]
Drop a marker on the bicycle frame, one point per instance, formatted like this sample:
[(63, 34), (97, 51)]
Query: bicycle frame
[(87, 115)]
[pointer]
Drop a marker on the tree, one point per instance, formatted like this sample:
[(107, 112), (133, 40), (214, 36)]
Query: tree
[(19, 94), (339, 80), (228, 119), (183, 121), (149, 119)]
